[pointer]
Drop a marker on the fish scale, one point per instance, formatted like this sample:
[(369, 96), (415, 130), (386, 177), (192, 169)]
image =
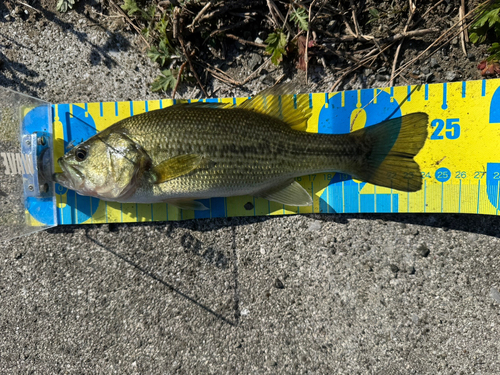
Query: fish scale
[(248, 149)]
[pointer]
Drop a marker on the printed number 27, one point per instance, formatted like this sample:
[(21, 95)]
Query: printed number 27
[(452, 128)]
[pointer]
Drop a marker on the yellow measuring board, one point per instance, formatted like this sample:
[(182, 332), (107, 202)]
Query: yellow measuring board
[(459, 162)]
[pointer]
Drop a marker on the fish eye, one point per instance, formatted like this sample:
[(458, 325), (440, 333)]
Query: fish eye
[(80, 154)]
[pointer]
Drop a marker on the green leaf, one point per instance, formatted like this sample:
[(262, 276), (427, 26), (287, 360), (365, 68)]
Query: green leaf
[(276, 43), (494, 57), (481, 21), (488, 18), (493, 17), (153, 53), (495, 47), (473, 37), (130, 6), (160, 54), (374, 12), (63, 5), (165, 51), (150, 13), (166, 80), (161, 27), (299, 17)]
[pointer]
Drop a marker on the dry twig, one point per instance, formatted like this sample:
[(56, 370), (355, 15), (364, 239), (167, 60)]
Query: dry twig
[(438, 40), (180, 38), (229, 27), (29, 6), (251, 76), (463, 35), (222, 76), (273, 9), (396, 54), (392, 38), (428, 11), (354, 18), (380, 49), (348, 28), (127, 18), (244, 41), (199, 15), (306, 55), (181, 69), (181, 41), (362, 62)]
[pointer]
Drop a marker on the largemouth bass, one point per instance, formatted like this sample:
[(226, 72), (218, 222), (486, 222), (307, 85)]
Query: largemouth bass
[(202, 150)]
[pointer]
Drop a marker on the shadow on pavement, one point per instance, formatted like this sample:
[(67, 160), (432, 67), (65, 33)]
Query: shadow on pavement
[(180, 293)]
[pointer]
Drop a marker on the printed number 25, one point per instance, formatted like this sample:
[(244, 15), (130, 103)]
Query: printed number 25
[(452, 128)]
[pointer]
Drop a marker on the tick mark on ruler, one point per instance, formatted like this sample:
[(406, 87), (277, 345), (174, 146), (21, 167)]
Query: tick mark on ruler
[(445, 96)]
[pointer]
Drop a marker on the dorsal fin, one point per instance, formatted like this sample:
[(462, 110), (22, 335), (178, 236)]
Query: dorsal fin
[(201, 105), (281, 102)]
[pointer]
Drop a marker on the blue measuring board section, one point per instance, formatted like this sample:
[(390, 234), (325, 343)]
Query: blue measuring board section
[(77, 127), (343, 195), (493, 183), (216, 208), (493, 169), (495, 108)]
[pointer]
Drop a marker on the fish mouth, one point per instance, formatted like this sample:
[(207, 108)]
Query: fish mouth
[(70, 177)]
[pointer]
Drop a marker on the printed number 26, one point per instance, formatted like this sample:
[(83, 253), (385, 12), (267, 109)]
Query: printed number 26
[(452, 128)]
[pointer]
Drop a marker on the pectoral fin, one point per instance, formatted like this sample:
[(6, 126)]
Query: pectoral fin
[(187, 204), (291, 194), (176, 166)]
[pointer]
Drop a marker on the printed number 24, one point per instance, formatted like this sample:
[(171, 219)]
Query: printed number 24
[(452, 128)]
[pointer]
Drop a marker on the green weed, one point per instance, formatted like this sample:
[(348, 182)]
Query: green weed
[(166, 80), (155, 19), (276, 44), (374, 15), (299, 17), (157, 29), (487, 26), (64, 5)]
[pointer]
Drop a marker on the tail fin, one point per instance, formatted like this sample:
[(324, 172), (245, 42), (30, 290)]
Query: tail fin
[(395, 143)]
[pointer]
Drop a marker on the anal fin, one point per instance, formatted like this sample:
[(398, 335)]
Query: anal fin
[(187, 204), (291, 193)]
